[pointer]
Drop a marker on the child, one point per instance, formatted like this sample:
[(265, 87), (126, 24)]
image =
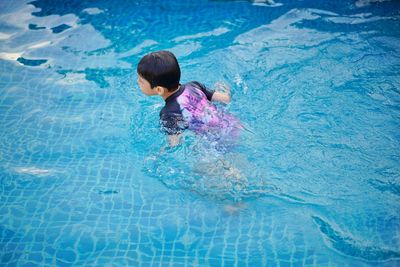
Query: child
[(187, 106)]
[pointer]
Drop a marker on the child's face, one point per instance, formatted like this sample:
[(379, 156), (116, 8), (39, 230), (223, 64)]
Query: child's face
[(145, 86)]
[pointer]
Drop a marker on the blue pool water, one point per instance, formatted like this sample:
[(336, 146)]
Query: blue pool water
[(318, 177)]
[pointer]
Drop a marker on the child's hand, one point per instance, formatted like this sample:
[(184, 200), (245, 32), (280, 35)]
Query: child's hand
[(222, 93)]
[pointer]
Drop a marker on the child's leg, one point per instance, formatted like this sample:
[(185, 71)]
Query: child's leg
[(220, 178), (233, 175)]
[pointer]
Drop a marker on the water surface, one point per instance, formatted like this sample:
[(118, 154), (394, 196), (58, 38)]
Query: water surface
[(316, 82)]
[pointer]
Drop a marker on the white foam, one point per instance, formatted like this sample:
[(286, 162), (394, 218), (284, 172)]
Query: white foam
[(362, 3), (32, 170), (215, 32), (10, 56), (138, 49), (267, 3), (4, 36), (39, 45), (93, 11)]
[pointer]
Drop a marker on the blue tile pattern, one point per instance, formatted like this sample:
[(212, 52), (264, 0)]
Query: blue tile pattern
[(82, 182)]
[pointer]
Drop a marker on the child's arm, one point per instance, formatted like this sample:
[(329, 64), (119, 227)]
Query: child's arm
[(172, 125), (221, 97), (174, 140), (223, 94)]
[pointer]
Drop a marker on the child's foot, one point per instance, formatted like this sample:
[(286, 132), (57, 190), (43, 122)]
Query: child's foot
[(235, 207)]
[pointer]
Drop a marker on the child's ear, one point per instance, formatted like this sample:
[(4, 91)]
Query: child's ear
[(160, 90)]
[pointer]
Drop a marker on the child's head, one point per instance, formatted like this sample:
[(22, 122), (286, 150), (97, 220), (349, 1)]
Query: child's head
[(160, 68)]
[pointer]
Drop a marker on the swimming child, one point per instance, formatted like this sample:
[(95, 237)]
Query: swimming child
[(187, 106)]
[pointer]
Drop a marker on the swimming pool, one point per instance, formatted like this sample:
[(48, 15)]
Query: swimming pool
[(316, 82)]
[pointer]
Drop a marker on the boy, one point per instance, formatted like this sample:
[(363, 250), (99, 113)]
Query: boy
[(187, 106)]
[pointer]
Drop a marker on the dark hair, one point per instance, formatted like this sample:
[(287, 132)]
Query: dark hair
[(160, 68)]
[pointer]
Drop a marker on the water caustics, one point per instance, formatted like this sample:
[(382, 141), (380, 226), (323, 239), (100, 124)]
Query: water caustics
[(314, 181)]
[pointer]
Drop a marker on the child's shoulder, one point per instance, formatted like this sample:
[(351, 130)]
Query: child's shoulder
[(205, 90), (196, 84)]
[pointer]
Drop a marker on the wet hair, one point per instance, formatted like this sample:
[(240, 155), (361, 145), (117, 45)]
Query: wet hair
[(160, 68)]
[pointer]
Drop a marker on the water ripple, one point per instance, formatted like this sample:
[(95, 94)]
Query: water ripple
[(349, 246)]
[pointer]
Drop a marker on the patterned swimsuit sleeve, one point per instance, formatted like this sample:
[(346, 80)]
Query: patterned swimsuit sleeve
[(208, 92)]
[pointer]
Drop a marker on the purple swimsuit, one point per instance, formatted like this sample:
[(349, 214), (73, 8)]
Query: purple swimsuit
[(190, 108)]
